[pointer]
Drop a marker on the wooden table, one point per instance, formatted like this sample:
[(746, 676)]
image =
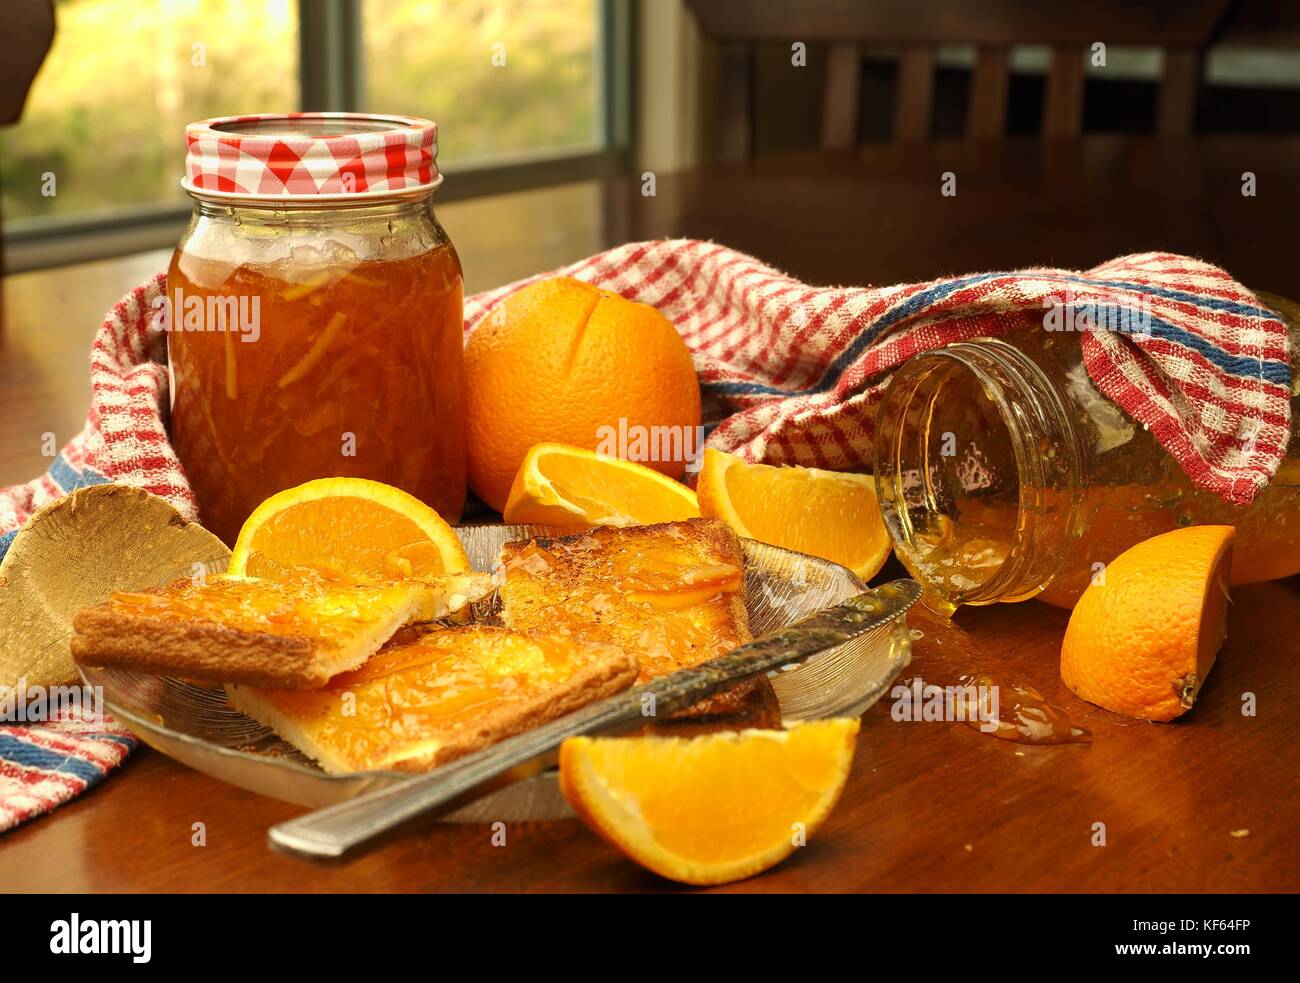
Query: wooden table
[(929, 806)]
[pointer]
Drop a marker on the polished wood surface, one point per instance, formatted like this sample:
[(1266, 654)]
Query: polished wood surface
[(1207, 803)]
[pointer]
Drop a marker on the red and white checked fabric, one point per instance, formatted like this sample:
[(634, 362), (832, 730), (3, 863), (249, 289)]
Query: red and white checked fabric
[(124, 438), (301, 155), (43, 765)]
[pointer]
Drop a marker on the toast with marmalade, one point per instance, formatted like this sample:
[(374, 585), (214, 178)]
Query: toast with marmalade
[(286, 634), (673, 593), (433, 694)]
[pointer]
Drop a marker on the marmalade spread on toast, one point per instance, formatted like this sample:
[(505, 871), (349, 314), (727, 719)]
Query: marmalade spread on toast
[(433, 694), (308, 609), (673, 592)]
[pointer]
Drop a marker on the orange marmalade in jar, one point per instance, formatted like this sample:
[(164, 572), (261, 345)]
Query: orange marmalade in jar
[(314, 313)]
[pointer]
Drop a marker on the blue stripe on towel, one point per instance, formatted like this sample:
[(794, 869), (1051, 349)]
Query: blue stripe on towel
[(1276, 372), (30, 756), (69, 479)]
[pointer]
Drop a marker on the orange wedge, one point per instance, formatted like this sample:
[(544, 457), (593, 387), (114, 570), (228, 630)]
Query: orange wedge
[(830, 514), (346, 529), (711, 809), (1143, 638), (567, 486)]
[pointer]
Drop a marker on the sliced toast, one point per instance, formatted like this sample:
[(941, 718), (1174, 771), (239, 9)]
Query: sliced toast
[(674, 593), (434, 694), (293, 635)]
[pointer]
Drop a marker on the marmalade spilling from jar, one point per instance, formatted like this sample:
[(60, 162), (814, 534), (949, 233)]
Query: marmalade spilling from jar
[(315, 313), (1005, 473)]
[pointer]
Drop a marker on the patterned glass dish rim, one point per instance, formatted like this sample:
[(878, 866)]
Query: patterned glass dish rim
[(194, 725)]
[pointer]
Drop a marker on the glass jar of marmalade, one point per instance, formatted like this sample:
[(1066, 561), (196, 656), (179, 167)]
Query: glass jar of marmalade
[(1005, 474), (314, 313)]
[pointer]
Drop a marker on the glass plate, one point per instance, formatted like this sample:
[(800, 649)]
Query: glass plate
[(193, 723)]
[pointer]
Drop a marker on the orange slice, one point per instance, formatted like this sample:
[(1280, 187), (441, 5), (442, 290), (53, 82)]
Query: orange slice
[(567, 486), (714, 808), (346, 529), (830, 514), (1144, 636)]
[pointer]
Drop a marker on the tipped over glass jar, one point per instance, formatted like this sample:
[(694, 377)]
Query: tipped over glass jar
[(1004, 474), (314, 310)]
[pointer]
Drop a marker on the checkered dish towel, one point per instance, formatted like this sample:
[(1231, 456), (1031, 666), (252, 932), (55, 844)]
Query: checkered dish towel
[(43, 765), (791, 373)]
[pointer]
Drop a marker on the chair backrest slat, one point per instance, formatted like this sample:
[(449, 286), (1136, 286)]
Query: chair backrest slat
[(736, 102), (1063, 97), (1176, 110), (914, 107), (840, 96), (1181, 28), (986, 117)]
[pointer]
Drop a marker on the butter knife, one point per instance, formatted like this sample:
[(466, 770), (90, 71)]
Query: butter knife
[(335, 832)]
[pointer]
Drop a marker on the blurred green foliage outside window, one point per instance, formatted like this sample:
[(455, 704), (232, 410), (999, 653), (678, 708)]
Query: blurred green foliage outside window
[(106, 115)]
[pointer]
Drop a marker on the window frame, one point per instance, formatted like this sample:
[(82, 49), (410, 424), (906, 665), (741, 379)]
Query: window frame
[(331, 74)]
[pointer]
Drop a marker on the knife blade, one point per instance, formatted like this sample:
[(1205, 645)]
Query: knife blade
[(336, 831)]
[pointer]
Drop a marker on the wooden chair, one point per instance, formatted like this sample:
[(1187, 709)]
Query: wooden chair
[(24, 43), (1182, 28)]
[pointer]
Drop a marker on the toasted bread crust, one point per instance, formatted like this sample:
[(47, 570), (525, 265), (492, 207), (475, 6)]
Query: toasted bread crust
[(716, 536), (751, 703), (195, 650), (204, 648), (607, 670)]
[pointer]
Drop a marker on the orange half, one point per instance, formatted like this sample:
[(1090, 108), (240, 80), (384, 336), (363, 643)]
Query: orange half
[(714, 808), (830, 514), (568, 486), (1145, 634), (347, 529)]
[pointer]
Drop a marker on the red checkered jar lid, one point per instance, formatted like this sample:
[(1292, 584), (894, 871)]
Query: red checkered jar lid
[(311, 156)]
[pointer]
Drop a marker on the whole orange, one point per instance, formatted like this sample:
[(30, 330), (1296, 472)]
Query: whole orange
[(563, 361)]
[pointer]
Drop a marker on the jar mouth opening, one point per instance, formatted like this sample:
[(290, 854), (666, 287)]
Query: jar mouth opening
[(967, 489), (277, 126)]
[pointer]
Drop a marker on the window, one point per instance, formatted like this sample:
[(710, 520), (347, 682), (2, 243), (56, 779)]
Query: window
[(524, 92), (107, 113), (501, 77)]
